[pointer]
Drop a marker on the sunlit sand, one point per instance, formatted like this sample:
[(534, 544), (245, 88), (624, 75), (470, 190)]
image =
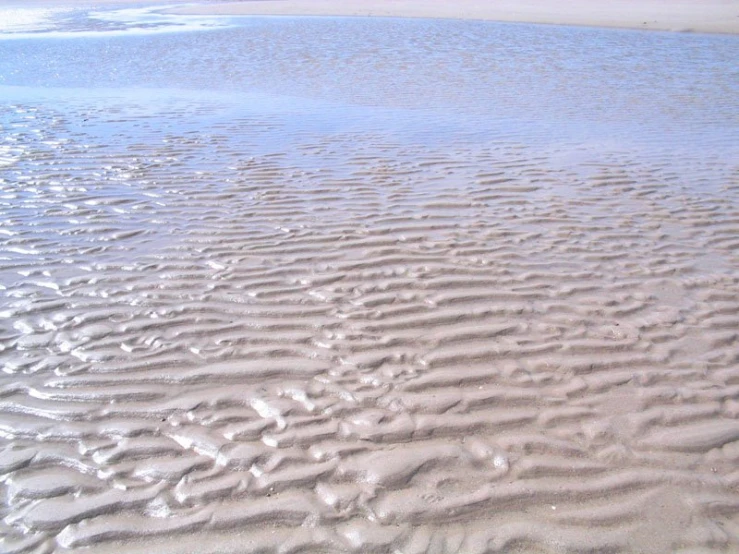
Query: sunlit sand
[(355, 284)]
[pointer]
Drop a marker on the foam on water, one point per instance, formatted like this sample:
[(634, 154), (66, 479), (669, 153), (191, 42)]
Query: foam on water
[(23, 20), (66, 23)]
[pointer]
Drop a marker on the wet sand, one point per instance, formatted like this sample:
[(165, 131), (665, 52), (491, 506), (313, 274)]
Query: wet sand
[(377, 315), (710, 16)]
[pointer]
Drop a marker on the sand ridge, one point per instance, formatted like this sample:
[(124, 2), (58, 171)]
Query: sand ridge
[(708, 16), (346, 360)]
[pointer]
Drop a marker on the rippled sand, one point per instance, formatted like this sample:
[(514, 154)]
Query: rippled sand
[(380, 321)]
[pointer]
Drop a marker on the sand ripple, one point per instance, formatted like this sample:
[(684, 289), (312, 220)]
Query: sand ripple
[(229, 326), (408, 349)]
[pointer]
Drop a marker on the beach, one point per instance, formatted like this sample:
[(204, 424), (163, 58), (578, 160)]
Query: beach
[(713, 16), (432, 281)]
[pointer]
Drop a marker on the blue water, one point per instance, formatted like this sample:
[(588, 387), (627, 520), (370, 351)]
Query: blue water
[(433, 82), (594, 75)]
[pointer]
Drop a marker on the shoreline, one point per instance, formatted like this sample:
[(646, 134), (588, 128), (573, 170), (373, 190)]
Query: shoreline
[(711, 16), (333, 284)]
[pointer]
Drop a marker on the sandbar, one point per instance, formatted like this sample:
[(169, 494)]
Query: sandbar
[(708, 16)]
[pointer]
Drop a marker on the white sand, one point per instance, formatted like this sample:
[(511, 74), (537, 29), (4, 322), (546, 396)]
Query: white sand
[(709, 16)]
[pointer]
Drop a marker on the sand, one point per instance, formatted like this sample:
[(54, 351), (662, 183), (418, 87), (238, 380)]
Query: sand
[(231, 326), (707, 16)]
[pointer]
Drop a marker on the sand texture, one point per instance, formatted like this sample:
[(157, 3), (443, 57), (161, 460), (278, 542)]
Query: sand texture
[(348, 360), (378, 316), (707, 16)]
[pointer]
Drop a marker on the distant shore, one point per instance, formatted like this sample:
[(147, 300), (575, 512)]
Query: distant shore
[(707, 16)]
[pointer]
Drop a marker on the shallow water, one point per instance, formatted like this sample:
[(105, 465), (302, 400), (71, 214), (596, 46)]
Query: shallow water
[(323, 284)]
